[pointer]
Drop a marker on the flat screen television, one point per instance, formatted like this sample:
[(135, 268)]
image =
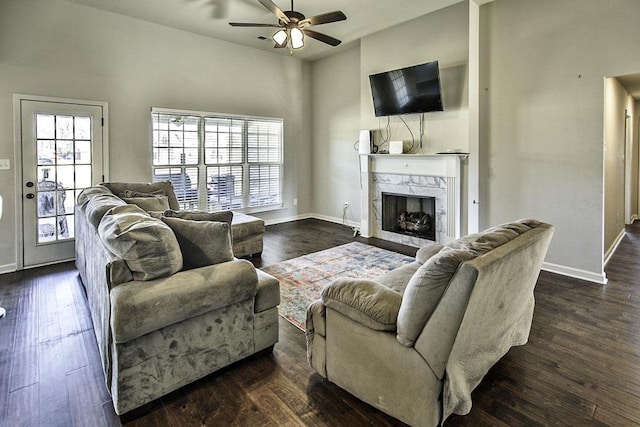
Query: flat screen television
[(414, 89)]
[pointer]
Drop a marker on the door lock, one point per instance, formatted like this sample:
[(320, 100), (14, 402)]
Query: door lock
[(30, 196), (29, 184)]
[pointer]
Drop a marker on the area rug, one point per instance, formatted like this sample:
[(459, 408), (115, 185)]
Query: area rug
[(303, 279)]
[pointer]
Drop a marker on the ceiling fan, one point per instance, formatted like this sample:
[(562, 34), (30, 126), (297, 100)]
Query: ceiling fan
[(293, 26)]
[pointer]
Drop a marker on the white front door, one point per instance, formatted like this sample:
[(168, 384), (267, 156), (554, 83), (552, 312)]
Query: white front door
[(62, 153)]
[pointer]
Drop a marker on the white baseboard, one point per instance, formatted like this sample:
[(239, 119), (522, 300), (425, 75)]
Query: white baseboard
[(614, 246), (352, 224), (600, 278), (287, 219), (8, 268)]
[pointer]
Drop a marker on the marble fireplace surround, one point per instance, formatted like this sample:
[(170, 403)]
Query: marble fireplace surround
[(432, 175)]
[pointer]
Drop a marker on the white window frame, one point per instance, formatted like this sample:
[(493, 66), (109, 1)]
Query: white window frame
[(202, 165)]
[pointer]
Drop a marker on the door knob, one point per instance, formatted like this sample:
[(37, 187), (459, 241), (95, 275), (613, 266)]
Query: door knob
[(30, 196)]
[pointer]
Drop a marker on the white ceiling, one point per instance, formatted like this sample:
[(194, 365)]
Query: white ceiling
[(211, 18)]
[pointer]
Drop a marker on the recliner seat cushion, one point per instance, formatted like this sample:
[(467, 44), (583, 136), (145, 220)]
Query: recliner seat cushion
[(148, 245)]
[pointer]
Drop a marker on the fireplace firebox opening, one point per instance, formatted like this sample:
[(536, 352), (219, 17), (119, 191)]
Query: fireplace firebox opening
[(409, 215)]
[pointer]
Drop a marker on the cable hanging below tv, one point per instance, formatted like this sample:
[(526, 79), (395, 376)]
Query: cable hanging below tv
[(414, 89)]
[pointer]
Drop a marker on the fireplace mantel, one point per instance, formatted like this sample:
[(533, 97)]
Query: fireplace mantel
[(407, 169)]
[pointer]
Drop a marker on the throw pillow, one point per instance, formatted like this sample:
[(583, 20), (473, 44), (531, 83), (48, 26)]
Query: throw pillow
[(202, 242), (148, 245), (153, 203)]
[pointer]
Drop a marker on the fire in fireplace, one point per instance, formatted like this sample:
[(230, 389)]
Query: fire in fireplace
[(409, 215)]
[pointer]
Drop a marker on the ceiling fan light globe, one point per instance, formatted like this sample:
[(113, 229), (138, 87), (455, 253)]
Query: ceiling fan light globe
[(297, 38), (280, 37)]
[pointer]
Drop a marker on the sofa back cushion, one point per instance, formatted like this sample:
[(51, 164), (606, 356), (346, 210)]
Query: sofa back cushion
[(202, 242), (145, 187), (149, 203), (148, 245), (424, 290)]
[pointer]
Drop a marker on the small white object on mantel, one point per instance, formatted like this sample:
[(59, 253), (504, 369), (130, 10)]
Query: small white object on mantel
[(396, 147)]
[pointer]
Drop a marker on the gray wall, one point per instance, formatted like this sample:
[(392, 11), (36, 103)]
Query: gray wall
[(542, 70), (443, 36), (336, 123), (60, 49)]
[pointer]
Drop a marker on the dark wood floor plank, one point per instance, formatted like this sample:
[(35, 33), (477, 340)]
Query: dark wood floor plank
[(580, 366), (24, 360), (24, 408)]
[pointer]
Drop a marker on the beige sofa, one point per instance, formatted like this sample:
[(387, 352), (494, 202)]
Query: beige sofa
[(169, 301), (415, 342)]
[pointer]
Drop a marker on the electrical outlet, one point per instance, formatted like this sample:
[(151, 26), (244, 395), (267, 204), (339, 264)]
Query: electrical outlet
[(295, 202), (346, 205)]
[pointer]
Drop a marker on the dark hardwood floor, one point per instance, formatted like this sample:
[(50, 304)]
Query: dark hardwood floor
[(581, 366)]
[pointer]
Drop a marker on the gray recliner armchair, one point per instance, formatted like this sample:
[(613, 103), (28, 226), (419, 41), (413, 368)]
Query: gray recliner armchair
[(415, 342)]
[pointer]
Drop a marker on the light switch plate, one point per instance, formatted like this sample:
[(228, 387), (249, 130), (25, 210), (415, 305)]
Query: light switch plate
[(5, 164)]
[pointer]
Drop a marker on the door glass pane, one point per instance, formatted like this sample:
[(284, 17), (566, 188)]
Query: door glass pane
[(64, 127), (45, 126), (46, 230), (64, 152), (83, 128), (83, 152), (63, 148), (46, 150), (83, 176)]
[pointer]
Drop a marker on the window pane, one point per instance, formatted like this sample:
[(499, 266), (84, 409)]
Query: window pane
[(185, 184), (224, 188), (240, 166), (264, 185)]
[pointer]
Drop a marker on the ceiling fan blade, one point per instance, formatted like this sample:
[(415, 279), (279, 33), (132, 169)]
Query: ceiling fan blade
[(251, 24), (321, 37), (325, 18), (273, 8)]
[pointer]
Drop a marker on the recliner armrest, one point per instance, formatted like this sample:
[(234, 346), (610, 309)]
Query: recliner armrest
[(364, 301)]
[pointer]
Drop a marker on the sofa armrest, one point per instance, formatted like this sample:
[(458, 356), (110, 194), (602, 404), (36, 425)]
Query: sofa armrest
[(138, 308), (364, 301)]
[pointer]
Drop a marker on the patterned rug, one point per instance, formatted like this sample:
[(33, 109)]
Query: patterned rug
[(302, 279)]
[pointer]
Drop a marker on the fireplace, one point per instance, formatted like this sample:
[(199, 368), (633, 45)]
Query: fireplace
[(431, 176), (409, 215)]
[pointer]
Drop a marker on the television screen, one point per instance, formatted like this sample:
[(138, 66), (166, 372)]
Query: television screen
[(407, 90)]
